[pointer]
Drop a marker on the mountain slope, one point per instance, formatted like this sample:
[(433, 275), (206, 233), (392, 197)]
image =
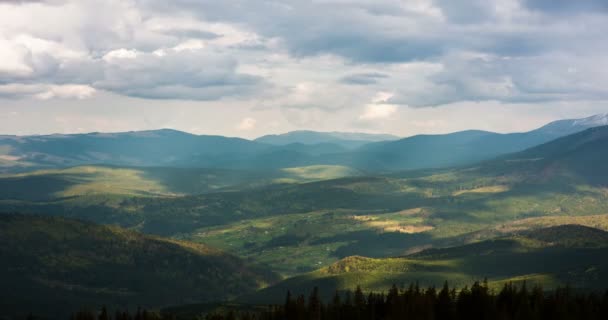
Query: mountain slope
[(52, 266), (581, 155), (347, 140)]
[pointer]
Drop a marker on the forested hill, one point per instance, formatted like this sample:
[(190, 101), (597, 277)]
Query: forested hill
[(54, 266)]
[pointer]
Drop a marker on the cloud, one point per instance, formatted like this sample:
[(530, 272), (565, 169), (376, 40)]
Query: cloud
[(379, 108), (46, 91), (246, 124), (328, 55), (185, 73), (119, 54), (378, 111), (363, 78), (118, 49)]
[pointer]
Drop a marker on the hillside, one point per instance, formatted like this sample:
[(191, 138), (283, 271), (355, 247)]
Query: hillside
[(54, 184), (543, 256), (579, 156), (52, 266)]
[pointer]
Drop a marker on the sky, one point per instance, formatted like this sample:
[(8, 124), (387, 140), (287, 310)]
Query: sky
[(249, 68)]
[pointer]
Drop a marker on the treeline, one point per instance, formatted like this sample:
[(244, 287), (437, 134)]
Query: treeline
[(103, 314), (477, 302)]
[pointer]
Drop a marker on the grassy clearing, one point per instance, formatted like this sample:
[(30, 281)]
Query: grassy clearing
[(488, 189), (315, 173)]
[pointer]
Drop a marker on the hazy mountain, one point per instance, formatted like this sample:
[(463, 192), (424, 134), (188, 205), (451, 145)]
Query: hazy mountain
[(582, 155), (172, 148), (143, 148), (343, 139), (461, 148), (565, 127), (53, 266)]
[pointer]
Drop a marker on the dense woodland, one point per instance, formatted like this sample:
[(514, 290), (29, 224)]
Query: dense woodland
[(475, 302)]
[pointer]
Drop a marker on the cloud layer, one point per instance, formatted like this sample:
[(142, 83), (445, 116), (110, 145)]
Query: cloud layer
[(305, 57)]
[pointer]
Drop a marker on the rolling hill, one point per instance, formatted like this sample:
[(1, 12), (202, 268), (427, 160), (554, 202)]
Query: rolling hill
[(53, 266)]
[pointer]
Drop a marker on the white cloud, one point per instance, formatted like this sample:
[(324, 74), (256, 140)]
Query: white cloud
[(378, 111), (379, 108), (192, 44), (246, 124), (121, 53)]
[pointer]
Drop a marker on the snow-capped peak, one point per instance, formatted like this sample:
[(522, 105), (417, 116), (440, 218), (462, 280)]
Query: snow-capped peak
[(593, 121)]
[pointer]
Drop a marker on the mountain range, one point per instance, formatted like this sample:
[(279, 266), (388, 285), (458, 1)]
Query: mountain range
[(371, 153), (349, 140)]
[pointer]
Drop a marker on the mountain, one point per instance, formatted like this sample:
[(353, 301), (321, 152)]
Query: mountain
[(143, 148), (324, 219), (581, 155), (566, 127), (54, 266), (170, 148), (555, 256), (348, 140), (461, 148)]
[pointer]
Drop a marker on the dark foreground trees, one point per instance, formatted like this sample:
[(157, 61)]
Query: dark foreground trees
[(477, 302)]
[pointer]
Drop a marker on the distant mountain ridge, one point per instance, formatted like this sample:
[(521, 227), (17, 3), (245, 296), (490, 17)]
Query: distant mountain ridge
[(367, 152), (344, 139), (464, 147), (582, 155)]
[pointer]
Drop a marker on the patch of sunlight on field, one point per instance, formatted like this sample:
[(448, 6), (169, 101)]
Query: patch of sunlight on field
[(488, 189), (443, 177), (93, 180), (99, 180), (406, 221), (389, 265), (315, 173)]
